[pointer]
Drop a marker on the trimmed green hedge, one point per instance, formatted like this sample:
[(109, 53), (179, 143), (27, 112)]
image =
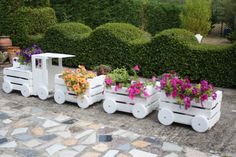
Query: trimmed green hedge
[(26, 29), (151, 16), (120, 45), (62, 34)]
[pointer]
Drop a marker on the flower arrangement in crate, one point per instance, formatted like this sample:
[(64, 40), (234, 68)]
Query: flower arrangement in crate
[(77, 80), (184, 92), (201, 102), (129, 94), (79, 86), (120, 78), (25, 54)]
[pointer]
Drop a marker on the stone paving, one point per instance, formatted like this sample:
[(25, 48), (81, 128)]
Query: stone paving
[(30, 127), (31, 132)]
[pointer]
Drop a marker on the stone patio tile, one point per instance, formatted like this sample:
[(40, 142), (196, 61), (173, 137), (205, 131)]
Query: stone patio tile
[(91, 154), (79, 148), (6, 155), (194, 153), (85, 133), (27, 152), (140, 144), (3, 132), (70, 142), (67, 153), (38, 131), (111, 153), (50, 123), (48, 137), (23, 137), (64, 134), (124, 147), (54, 148), (11, 144), (140, 153), (171, 155), (7, 121), (3, 140), (57, 129), (100, 147), (32, 143), (91, 139), (3, 116), (19, 131), (62, 118), (171, 147)]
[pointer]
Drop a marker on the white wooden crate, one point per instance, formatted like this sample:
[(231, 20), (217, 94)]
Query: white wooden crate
[(95, 93), (140, 106), (200, 117), (18, 79)]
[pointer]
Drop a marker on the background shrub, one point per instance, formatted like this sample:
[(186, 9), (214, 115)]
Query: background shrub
[(26, 30), (7, 9), (63, 37), (37, 3), (149, 15), (196, 16)]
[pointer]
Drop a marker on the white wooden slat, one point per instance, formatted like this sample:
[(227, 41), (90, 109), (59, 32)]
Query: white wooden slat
[(183, 119), (214, 119), (190, 111), (17, 72), (98, 80), (94, 91), (124, 107), (118, 97), (17, 80)]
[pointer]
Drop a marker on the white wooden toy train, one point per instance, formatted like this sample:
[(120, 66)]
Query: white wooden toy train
[(43, 79)]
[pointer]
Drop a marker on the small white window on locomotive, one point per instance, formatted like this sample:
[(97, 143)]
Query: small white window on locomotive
[(38, 63)]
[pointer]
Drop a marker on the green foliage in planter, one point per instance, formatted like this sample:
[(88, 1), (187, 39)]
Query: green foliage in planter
[(30, 23), (149, 15), (120, 75)]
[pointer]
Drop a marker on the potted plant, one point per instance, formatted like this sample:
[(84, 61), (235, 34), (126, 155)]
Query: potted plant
[(197, 105), (129, 94), (79, 86), (25, 56)]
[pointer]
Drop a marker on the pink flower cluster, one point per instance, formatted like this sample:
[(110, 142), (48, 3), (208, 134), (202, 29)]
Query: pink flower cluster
[(137, 88), (184, 91)]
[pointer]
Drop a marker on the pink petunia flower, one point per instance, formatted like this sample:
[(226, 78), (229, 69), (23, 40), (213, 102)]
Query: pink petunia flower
[(136, 68), (108, 81)]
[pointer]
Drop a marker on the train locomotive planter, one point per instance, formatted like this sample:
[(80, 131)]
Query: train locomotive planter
[(140, 106), (95, 93), (36, 80), (201, 117)]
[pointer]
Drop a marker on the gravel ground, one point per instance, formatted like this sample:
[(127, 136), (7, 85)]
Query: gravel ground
[(220, 139)]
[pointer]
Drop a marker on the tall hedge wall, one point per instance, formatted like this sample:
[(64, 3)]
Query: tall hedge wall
[(150, 15), (119, 45)]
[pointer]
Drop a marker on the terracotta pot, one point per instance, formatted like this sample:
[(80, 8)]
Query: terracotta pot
[(12, 52), (5, 42)]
